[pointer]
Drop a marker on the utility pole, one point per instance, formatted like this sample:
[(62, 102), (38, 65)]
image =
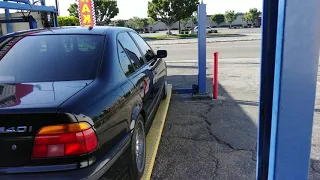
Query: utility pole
[(202, 48), (57, 7)]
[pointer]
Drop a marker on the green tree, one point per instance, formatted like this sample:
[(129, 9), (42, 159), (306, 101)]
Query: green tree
[(73, 10), (171, 11), (68, 21), (217, 18), (247, 18), (135, 23), (105, 10), (230, 16), (151, 21), (254, 15), (120, 23), (185, 22), (145, 22), (194, 18)]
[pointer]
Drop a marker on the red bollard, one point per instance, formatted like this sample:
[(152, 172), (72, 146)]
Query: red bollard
[(215, 75)]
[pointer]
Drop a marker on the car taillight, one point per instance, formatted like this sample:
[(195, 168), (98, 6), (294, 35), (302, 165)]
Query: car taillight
[(64, 140)]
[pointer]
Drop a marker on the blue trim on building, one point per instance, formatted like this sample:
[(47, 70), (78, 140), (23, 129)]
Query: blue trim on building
[(29, 7), (269, 32), (277, 89), (295, 81), (182, 91)]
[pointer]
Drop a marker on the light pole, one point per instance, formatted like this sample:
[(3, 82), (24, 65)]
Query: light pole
[(57, 7), (202, 48)]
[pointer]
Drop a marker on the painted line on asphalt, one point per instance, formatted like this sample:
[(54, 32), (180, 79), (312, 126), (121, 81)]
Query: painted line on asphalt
[(194, 46), (210, 60), (154, 135)]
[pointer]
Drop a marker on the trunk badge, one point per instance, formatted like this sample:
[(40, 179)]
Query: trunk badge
[(13, 147)]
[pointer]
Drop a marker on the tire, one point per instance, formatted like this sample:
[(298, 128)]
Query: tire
[(165, 90), (138, 152)]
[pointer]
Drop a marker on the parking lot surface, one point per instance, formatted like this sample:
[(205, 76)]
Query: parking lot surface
[(245, 31), (205, 139)]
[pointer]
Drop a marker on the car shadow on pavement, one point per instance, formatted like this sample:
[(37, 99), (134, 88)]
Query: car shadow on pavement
[(206, 139), (210, 139)]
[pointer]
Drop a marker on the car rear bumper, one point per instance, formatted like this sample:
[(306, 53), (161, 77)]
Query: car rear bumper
[(93, 172)]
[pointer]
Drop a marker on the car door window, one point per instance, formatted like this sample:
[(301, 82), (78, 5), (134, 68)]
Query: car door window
[(145, 48), (125, 62), (131, 49)]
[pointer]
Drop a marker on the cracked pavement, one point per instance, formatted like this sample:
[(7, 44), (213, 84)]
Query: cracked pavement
[(205, 139), (196, 146)]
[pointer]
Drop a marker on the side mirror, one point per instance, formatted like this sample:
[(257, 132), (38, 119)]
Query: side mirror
[(162, 54)]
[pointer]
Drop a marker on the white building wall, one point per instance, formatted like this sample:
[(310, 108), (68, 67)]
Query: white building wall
[(161, 25), (20, 26)]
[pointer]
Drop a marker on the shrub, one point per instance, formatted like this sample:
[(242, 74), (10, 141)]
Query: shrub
[(68, 21)]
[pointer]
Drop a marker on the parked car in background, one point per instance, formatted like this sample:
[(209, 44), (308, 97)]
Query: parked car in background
[(208, 29), (139, 30), (185, 31), (146, 30), (77, 103)]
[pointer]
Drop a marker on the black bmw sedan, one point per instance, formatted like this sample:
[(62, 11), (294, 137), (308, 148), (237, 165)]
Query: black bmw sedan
[(76, 103)]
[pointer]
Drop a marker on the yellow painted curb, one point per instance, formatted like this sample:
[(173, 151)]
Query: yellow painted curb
[(154, 135)]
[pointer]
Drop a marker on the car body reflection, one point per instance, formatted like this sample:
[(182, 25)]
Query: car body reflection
[(10, 95)]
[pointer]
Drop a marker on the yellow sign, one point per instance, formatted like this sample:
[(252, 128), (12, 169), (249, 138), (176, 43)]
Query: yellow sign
[(86, 13)]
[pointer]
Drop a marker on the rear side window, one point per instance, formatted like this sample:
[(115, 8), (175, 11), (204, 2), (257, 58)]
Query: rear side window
[(125, 63), (50, 58), (145, 48), (131, 49)]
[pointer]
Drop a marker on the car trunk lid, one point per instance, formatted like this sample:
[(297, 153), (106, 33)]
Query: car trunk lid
[(39, 96), (24, 109), (17, 132)]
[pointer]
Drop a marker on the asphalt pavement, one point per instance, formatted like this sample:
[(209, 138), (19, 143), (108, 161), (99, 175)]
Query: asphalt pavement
[(245, 31), (205, 139)]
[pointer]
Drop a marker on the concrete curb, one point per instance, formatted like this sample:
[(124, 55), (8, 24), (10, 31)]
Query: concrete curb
[(154, 135), (158, 42)]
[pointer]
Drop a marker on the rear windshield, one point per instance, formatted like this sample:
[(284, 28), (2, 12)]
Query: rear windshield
[(50, 58)]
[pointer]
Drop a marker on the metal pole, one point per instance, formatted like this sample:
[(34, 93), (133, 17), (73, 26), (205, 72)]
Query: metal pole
[(202, 48), (57, 7), (32, 23), (9, 25), (269, 36), (295, 80), (215, 75)]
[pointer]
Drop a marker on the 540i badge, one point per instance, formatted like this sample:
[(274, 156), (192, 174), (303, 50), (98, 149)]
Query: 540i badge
[(18, 129)]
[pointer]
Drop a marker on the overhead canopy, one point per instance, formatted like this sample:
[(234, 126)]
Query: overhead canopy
[(23, 1), (13, 4)]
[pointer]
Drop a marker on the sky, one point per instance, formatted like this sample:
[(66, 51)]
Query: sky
[(131, 8)]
